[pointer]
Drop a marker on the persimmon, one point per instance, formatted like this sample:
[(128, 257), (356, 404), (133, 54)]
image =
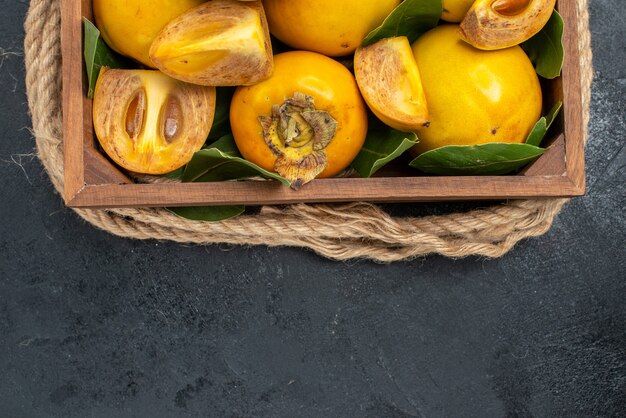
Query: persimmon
[(130, 26), (455, 10), (501, 24), (474, 96), (219, 43), (148, 122), (390, 83), (330, 27), (308, 120)]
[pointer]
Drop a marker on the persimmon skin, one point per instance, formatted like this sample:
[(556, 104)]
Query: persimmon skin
[(333, 89), (454, 10), (474, 96), (130, 26), (330, 27)]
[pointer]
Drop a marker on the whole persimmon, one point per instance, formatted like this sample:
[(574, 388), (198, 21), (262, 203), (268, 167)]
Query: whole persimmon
[(474, 96), (308, 120), (330, 27)]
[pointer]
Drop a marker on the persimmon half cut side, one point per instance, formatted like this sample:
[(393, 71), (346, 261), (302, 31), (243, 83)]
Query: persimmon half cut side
[(148, 122)]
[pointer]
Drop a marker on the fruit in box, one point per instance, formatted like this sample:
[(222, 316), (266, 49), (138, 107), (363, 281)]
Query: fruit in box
[(390, 83), (130, 26), (148, 122), (454, 10), (498, 24), (330, 27), (474, 96), (220, 43), (308, 120)]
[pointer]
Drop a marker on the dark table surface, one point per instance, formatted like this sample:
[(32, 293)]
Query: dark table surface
[(97, 326)]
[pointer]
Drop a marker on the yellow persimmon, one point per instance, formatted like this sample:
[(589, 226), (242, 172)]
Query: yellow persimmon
[(219, 43), (130, 26), (474, 96), (455, 10), (330, 27), (500, 24)]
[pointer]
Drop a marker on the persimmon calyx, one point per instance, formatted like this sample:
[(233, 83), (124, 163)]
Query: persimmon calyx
[(298, 134)]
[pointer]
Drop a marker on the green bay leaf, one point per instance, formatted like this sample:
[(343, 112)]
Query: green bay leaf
[(541, 127), (485, 159), (97, 55), (380, 148), (411, 19), (208, 213), (545, 49), (220, 162)]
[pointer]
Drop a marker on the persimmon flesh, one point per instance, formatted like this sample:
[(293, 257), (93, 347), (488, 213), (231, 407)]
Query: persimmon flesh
[(148, 122)]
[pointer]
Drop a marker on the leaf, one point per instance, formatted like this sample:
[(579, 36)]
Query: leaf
[(221, 120), (97, 55), (485, 159), (411, 19), (208, 213), (227, 145), (541, 127), (545, 49), (380, 148), (217, 163), (176, 174)]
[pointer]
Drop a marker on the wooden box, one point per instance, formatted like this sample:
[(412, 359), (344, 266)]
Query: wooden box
[(92, 181)]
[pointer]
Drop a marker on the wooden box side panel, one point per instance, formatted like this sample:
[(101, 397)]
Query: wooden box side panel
[(71, 50), (574, 127), (84, 163)]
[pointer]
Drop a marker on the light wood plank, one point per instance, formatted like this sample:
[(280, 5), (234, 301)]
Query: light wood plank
[(71, 50), (398, 189), (574, 144), (551, 163)]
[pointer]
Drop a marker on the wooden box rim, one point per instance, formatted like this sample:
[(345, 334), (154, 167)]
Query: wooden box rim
[(91, 181)]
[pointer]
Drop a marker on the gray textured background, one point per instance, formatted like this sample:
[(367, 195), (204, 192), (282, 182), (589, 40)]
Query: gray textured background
[(93, 325)]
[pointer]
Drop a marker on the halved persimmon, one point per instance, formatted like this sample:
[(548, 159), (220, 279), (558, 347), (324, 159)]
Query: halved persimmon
[(500, 24), (219, 43), (390, 83), (148, 122)]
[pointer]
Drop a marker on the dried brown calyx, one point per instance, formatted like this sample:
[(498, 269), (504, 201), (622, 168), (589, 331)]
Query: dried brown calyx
[(298, 134), (501, 24)]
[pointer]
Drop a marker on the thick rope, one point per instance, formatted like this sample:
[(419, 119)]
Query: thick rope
[(341, 231)]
